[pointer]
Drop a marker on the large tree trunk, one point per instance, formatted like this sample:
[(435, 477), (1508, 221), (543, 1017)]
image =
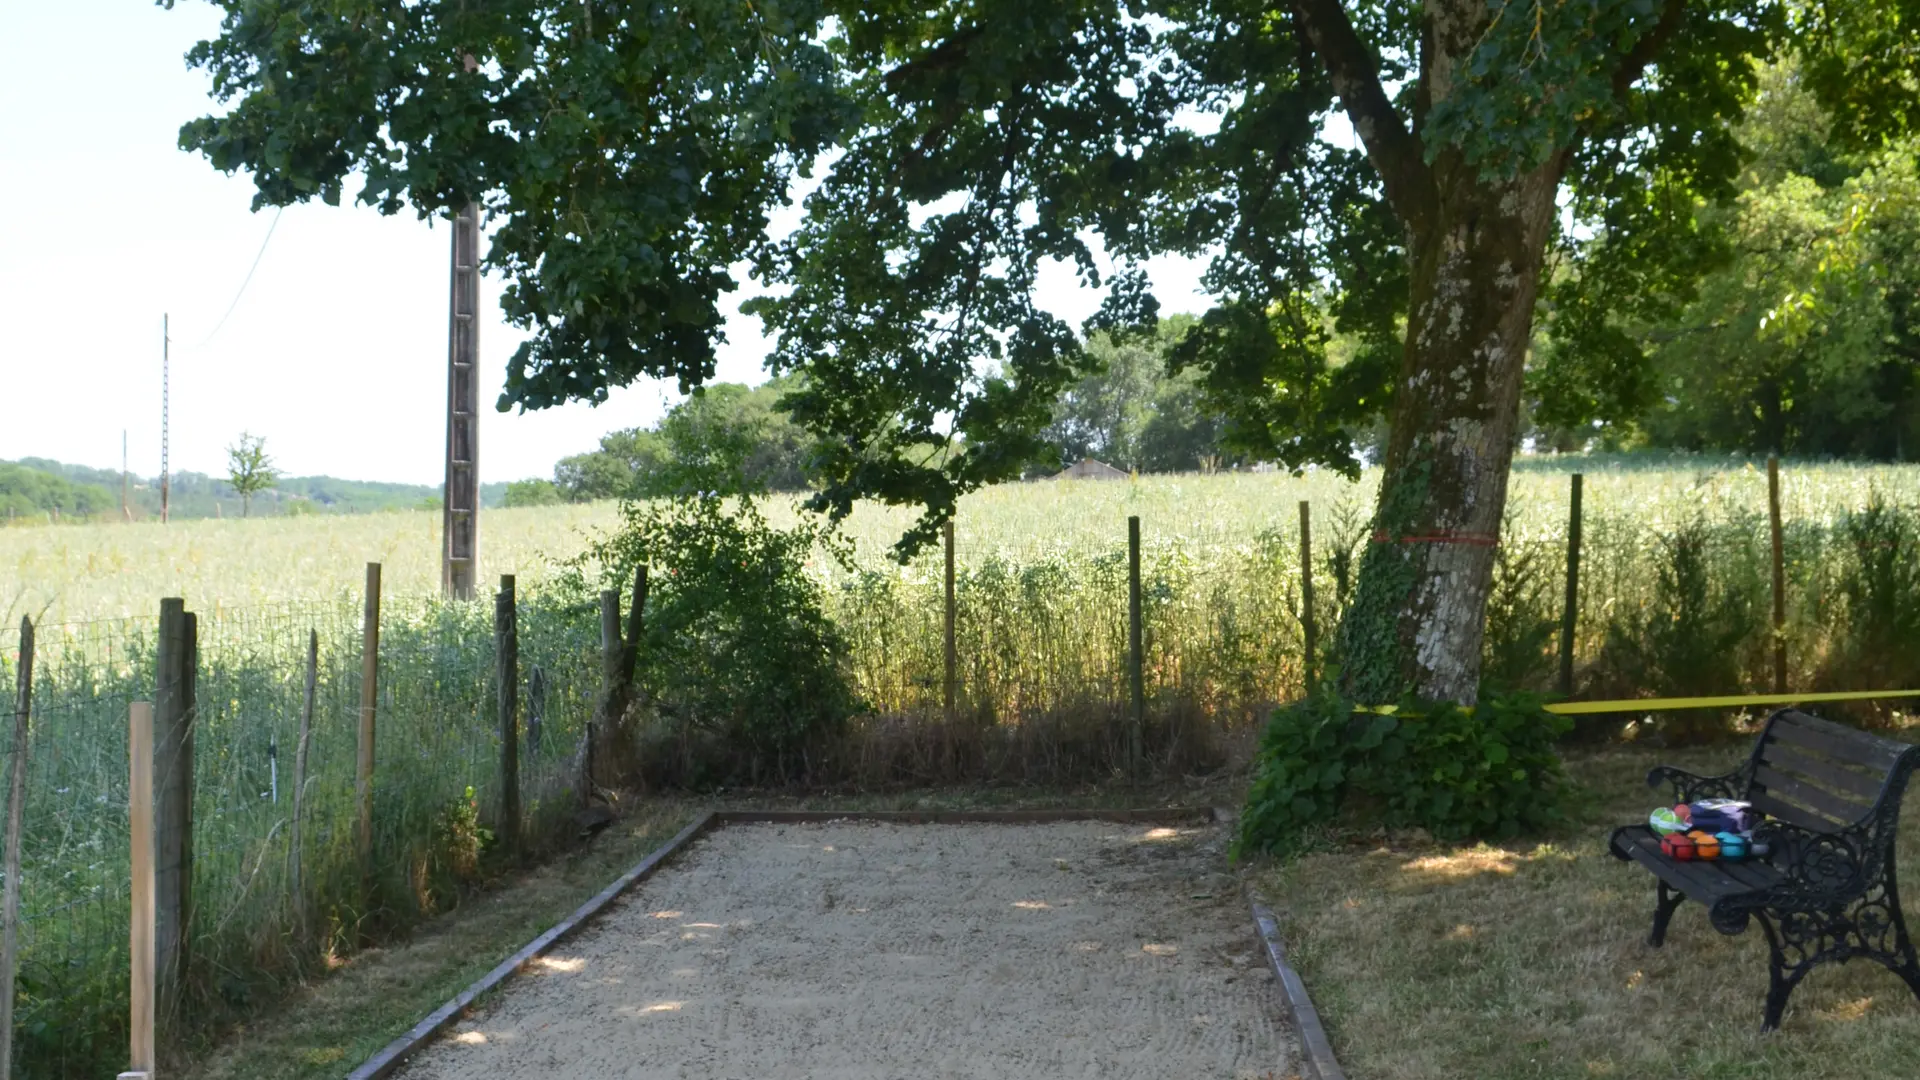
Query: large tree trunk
[(1417, 617)]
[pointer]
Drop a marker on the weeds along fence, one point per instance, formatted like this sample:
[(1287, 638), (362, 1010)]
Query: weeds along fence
[(1670, 603), (264, 913), (1041, 643)]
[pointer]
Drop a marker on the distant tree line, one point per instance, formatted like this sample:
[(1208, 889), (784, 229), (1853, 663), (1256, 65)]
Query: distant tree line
[(30, 492), (1132, 413), (34, 487)]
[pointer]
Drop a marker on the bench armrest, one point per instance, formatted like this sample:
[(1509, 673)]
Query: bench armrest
[(1688, 786), (1819, 867)]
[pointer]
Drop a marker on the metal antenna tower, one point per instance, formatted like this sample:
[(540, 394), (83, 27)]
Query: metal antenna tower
[(165, 341)]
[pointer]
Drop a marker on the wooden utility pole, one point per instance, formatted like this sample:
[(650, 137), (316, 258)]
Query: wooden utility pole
[(126, 512), (460, 515)]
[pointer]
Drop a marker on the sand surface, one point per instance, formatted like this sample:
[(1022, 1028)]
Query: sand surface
[(862, 951)]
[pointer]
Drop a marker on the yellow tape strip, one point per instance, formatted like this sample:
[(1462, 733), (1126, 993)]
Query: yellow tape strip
[(1672, 704), (1573, 708)]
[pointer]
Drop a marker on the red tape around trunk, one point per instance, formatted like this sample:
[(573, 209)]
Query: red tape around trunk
[(1444, 536)]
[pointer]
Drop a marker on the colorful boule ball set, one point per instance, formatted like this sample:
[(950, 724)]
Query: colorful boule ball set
[(1707, 829)]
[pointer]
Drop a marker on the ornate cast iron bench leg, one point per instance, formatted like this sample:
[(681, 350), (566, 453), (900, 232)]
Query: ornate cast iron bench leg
[(1872, 927), (1795, 932), (1665, 901)]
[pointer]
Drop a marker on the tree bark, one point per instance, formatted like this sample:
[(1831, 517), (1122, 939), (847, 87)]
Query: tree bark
[(1418, 615), (1476, 244)]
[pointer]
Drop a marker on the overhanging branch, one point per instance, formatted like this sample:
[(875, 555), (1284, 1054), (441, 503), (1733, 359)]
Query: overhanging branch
[(1394, 151), (1645, 50)]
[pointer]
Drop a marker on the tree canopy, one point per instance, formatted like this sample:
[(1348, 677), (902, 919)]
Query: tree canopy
[(1802, 338), (629, 157)]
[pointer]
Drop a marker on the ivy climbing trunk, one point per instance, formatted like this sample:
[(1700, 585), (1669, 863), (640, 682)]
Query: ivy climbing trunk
[(1418, 615), (1478, 207)]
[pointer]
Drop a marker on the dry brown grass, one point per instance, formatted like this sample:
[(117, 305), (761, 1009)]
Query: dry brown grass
[(1529, 960)]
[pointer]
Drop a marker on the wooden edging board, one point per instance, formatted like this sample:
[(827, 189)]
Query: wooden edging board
[(1157, 816), (1306, 1019), (399, 1050)]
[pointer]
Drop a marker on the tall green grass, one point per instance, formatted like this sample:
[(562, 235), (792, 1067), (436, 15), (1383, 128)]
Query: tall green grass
[(252, 935)]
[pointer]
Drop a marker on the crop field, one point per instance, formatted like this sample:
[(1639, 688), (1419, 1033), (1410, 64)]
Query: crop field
[(1675, 598)]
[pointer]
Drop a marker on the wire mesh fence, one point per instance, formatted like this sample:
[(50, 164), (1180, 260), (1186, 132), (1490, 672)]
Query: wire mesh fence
[(264, 911)]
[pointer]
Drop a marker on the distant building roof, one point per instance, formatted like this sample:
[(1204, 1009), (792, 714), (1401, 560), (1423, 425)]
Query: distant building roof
[(1089, 469)]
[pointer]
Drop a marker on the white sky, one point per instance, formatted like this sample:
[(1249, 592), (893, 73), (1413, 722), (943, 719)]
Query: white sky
[(337, 351)]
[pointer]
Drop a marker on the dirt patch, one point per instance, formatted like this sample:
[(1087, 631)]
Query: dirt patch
[(865, 951)]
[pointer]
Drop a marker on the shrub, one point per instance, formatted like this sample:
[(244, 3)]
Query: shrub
[(1460, 773), (1522, 624), (1878, 644), (462, 837), (740, 664), (1689, 639)]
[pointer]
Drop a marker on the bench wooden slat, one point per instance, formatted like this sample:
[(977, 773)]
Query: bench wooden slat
[(1865, 786), (1843, 811), (1841, 743), (1704, 880), (1773, 806), (1756, 874)]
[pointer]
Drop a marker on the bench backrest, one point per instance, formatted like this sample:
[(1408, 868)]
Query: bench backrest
[(1824, 776)]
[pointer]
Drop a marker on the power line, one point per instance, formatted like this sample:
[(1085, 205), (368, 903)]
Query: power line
[(249, 278)]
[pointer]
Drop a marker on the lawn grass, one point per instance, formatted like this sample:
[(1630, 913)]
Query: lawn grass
[(1529, 959), (330, 1026)]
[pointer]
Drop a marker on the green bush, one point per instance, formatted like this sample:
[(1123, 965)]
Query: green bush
[(1695, 637), (1522, 628), (740, 664), (1460, 773), (1878, 644)]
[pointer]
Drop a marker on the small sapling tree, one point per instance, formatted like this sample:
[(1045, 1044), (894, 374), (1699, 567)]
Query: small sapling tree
[(249, 470)]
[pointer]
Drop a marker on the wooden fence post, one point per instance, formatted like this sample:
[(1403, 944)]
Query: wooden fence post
[(950, 686), (174, 721), (1136, 650), (1779, 579), (1309, 629), (1570, 611), (294, 883), (506, 658), (16, 807), (142, 928), (369, 702)]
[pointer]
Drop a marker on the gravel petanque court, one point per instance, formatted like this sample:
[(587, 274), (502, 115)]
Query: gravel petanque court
[(862, 951)]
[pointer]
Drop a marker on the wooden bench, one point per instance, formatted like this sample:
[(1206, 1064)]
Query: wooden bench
[(1826, 889)]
